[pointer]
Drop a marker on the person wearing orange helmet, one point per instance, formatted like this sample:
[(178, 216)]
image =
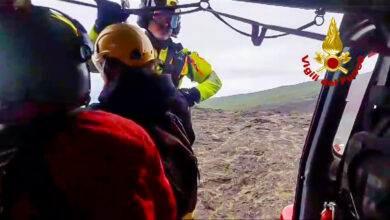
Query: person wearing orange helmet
[(133, 89), (161, 26), (58, 161)]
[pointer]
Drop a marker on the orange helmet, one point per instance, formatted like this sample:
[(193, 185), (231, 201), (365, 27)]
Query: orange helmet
[(125, 42)]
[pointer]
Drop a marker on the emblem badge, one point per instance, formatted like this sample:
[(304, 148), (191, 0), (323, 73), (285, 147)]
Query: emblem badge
[(332, 45)]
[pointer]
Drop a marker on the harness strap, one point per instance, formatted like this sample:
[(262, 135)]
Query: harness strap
[(190, 68), (175, 61)]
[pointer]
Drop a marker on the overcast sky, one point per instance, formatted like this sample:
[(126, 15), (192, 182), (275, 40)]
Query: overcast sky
[(242, 67)]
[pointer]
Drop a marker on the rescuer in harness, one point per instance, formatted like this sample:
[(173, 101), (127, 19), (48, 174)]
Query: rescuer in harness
[(133, 89), (57, 162), (161, 26)]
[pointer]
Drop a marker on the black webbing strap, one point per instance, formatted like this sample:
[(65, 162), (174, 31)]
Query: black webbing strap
[(173, 49), (179, 59), (190, 68)]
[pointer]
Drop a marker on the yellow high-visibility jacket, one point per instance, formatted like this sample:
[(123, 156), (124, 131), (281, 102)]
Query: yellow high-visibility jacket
[(182, 63)]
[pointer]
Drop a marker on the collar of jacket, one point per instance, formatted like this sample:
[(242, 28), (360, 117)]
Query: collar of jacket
[(158, 44), (144, 99)]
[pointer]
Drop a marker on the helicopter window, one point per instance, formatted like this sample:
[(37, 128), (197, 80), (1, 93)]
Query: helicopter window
[(354, 99)]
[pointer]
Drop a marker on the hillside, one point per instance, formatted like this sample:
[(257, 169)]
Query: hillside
[(248, 162), (293, 95), (301, 97)]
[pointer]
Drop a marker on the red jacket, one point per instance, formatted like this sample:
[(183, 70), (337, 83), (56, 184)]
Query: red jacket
[(104, 167)]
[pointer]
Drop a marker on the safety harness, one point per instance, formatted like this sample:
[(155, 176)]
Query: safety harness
[(175, 62)]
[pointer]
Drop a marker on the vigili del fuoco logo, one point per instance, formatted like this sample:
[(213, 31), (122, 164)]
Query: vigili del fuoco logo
[(332, 60)]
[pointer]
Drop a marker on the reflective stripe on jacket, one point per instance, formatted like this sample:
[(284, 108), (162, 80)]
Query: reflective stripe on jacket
[(196, 69)]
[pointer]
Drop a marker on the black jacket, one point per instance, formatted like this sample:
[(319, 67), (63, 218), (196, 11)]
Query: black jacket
[(153, 102)]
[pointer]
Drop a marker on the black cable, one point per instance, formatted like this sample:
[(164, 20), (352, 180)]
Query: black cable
[(320, 12), (219, 15), (79, 3), (285, 34), (231, 26), (271, 27), (250, 35), (142, 11), (188, 11)]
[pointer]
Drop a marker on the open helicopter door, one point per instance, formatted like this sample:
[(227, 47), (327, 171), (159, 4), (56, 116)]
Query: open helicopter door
[(320, 174)]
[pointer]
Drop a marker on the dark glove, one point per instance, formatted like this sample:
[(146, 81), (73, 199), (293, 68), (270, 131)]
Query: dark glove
[(192, 95), (109, 13)]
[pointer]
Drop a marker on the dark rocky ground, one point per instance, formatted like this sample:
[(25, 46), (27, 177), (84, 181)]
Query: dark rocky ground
[(248, 162)]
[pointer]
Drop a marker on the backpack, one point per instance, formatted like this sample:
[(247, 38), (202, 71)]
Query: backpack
[(179, 161)]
